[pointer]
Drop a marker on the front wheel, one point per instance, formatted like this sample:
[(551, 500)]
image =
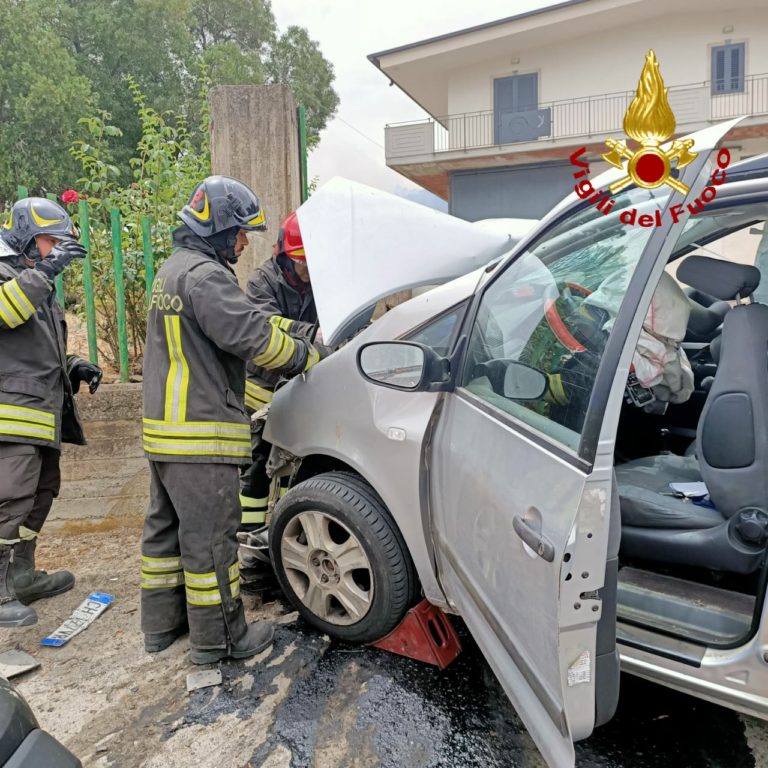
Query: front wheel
[(340, 559)]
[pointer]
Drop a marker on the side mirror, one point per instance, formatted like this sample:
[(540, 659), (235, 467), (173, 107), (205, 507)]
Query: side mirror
[(402, 365), (524, 382)]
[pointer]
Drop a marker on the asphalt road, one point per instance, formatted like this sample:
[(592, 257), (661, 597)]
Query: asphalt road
[(355, 707)]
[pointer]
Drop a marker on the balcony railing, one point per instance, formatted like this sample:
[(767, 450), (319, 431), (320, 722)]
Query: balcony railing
[(580, 117)]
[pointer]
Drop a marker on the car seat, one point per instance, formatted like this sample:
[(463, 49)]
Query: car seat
[(731, 449)]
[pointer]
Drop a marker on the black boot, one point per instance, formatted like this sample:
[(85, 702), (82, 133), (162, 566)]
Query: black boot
[(30, 584), (12, 612), (256, 639)]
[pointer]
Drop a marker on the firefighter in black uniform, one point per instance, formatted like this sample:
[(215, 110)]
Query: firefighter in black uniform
[(201, 331), (280, 288), (37, 407)]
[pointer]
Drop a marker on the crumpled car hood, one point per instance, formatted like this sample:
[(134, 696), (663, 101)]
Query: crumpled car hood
[(363, 244)]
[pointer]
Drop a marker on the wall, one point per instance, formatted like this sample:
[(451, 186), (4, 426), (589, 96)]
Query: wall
[(609, 63), (109, 477), (254, 138)]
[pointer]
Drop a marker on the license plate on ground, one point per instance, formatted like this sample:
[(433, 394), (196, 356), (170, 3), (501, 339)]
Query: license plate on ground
[(83, 616)]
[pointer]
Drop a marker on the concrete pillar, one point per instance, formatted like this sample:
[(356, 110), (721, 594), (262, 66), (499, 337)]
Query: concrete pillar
[(255, 138)]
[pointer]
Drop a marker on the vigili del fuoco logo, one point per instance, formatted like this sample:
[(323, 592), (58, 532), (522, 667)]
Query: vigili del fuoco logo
[(649, 120)]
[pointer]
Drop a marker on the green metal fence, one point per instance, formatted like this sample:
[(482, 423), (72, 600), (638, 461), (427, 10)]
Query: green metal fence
[(88, 284), (149, 260)]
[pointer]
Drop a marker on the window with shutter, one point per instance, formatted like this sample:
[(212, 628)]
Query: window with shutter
[(728, 68)]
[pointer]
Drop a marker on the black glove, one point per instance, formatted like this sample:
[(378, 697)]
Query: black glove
[(58, 259), (84, 371)]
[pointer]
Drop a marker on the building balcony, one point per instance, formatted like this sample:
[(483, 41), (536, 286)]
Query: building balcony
[(562, 123)]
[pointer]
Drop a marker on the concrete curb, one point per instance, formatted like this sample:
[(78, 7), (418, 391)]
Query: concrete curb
[(109, 477)]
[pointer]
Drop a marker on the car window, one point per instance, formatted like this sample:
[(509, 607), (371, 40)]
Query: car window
[(439, 333), (745, 240), (553, 309)]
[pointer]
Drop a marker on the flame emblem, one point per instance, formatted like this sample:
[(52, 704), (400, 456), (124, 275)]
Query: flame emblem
[(649, 120)]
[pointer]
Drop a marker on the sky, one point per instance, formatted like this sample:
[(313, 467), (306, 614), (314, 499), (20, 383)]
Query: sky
[(348, 31)]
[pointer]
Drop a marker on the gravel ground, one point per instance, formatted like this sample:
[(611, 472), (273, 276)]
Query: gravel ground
[(310, 702)]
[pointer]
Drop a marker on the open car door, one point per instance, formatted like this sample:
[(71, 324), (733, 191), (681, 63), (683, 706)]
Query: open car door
[(521, 454)]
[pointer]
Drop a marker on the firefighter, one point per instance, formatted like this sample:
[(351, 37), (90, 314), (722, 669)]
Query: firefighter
[(37, 407), (201, 330), (280, 288)]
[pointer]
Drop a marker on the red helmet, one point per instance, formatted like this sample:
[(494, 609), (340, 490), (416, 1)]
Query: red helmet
[(289, 239)]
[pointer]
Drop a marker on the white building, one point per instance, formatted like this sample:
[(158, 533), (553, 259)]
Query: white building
[(510, 100)]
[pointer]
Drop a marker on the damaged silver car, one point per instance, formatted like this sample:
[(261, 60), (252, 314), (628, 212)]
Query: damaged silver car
[(488, 445)]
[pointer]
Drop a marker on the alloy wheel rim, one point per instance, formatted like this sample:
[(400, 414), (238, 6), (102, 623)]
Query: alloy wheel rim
[(327, 568)]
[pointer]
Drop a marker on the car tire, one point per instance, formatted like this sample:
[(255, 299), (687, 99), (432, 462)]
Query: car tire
[(338, 513)]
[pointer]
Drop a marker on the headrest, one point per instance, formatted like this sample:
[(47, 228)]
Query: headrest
[(721, 279)]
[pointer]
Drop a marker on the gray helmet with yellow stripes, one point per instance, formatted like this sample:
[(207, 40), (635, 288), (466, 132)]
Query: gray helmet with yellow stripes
[(36, 216), (220, 203)]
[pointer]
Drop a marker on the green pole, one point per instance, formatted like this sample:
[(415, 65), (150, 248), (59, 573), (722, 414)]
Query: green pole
[(117, 253), (59, 279), (149, 261), (303, 153), (90, 302)]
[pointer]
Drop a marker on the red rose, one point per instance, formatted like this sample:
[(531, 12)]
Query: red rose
[(69, 196)]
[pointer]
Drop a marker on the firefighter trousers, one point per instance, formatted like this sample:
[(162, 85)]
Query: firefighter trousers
[(29, 481), (254, 483), (189, 565)]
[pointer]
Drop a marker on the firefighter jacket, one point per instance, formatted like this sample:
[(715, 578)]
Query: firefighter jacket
[(36, 402), (201, 330), (289, 309)]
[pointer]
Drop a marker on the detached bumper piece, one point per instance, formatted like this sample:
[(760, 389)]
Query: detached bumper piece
[(425, 634)]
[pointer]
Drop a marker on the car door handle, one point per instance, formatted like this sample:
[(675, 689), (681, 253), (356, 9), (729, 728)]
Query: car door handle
[(536, 540)]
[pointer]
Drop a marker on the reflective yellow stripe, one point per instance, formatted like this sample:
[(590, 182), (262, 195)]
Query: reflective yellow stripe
[(257, 219), (260, 393), (276, 355), (27, 534), (268, 353), (19, 298), (40, 221), (188, 448), (283, 491), (34, 415), (249, 517), (225, 430), (160, 564), (234, 571), (313, 357), (196, 597), (21, 429), (288, 349), (162, 580), (177, 383), (249, 502), (13, 304), (200, 579), (234, 588), (284, 323), (7, 313)]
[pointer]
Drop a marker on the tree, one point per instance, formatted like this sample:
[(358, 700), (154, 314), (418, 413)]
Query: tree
[(63, 59), (42, 95), (112, 40), (296, 60)]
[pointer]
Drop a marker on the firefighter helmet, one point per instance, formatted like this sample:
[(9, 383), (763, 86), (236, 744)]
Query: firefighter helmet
[(289, 239), (220, 203), (36, 216)]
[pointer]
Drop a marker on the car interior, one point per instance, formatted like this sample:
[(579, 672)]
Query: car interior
[(692, 477)]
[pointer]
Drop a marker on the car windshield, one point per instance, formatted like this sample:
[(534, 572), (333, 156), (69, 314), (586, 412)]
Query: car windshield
[(553, 307)]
